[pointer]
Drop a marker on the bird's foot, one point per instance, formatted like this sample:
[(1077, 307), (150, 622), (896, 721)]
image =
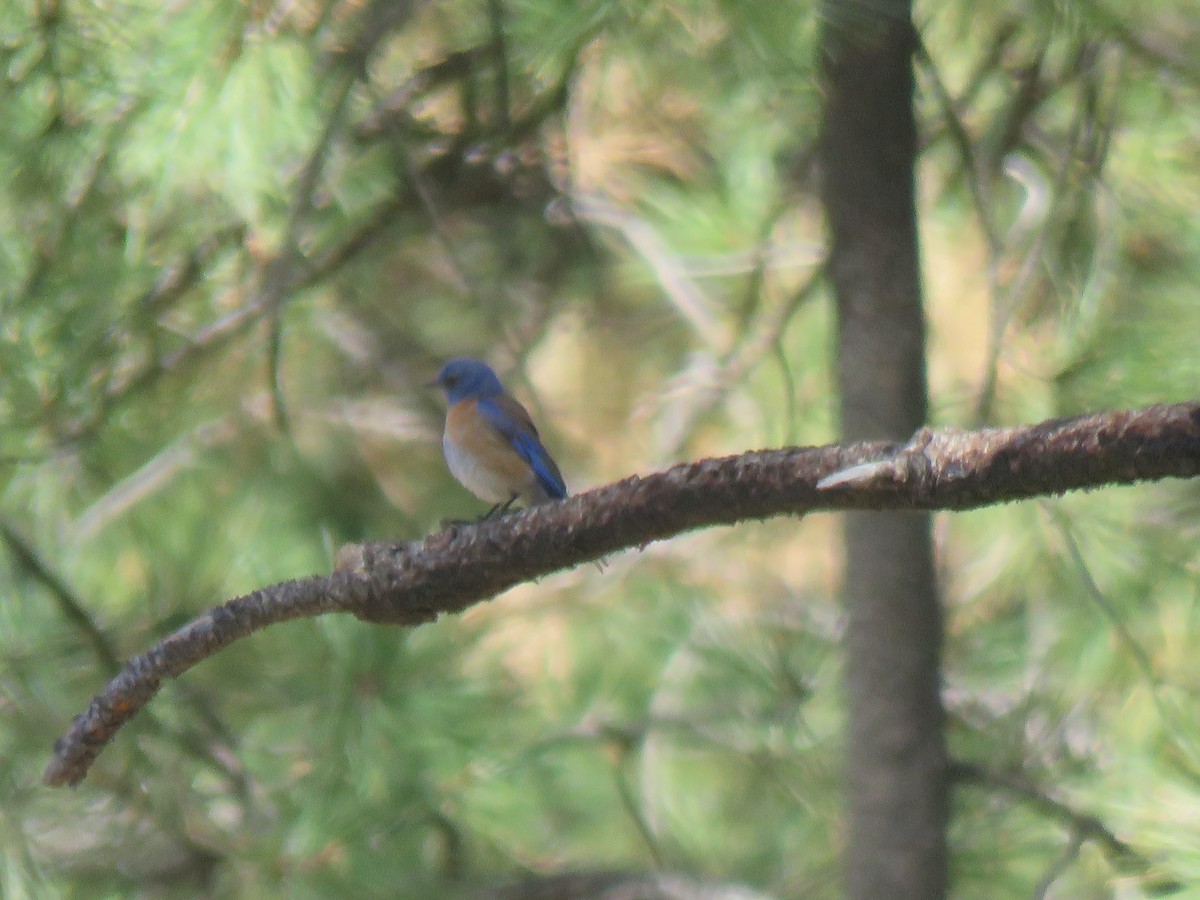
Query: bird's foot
[(499, 510)]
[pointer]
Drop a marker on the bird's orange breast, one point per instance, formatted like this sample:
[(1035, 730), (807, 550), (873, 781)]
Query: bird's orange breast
[(481, 458)]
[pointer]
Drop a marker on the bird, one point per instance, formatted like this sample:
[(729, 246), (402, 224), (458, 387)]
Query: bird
[(490, 442)]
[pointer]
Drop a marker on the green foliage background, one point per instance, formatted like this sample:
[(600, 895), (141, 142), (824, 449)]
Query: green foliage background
[(237, 237)]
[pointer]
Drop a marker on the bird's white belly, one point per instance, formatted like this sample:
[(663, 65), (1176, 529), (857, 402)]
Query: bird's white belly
[(474, 477)]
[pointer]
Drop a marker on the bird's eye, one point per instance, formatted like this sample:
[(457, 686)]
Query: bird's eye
[(451, 380)]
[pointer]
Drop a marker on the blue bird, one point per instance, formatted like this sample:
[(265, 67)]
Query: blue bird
[(490, 442)]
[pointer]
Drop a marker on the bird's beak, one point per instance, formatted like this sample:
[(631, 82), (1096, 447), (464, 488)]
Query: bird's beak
[(432, 384)]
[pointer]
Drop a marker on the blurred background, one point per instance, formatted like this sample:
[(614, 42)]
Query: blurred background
[(236, 238)]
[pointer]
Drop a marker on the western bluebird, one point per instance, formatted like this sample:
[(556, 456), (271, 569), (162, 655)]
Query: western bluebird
[(490, 442)]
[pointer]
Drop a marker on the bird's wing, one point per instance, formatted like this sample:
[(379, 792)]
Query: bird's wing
[(510, 418)]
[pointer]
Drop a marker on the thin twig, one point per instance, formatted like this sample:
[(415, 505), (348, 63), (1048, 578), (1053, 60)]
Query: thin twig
[(632, 808), (279, 273), (53, 250), (207, 340), (319, 267), (1069, 854), (1086, 826), (1140, 657), (152, 476), (420, 184), (68, 603), (962, 141), (392, 111), (1136, 651), (737, 363), (284, 274), (1040, 211), (500, 60), (1163, 56), (689, 300)]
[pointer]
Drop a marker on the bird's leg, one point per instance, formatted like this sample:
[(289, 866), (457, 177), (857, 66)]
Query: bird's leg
[(500, 508)]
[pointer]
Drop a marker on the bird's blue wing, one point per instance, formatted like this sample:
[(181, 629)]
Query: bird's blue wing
[(509, 417)]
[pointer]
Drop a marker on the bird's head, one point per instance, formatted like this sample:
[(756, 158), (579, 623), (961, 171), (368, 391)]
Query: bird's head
[(466, 379)]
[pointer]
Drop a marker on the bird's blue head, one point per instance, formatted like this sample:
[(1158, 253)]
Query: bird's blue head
[(466, 379)]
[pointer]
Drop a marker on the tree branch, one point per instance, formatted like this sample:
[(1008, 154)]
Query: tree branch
[(415, 582), (74, 610)]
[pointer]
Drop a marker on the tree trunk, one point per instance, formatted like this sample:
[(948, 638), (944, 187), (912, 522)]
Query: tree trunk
[(896, 759)]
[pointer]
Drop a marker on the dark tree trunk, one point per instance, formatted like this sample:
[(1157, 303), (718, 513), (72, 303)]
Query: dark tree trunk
[(896, 759)]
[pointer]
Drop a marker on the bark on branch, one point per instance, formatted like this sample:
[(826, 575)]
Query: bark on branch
[(414, 582)]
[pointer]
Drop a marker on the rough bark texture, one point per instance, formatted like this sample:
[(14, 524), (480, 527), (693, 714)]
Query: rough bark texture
[(896, 758), (416, 581)]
